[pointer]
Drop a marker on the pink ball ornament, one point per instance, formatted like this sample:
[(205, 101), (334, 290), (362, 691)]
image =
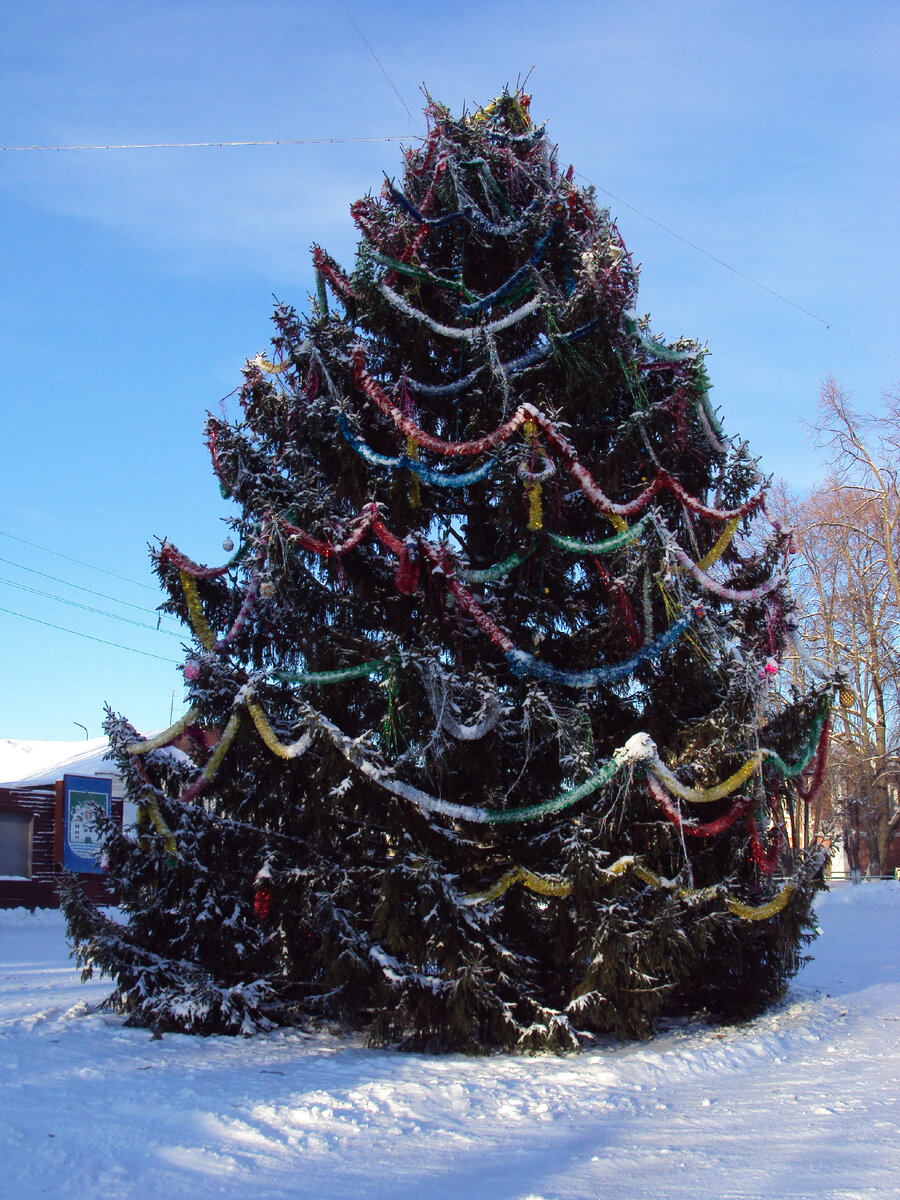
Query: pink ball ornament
[(771, 668), (191, 670)]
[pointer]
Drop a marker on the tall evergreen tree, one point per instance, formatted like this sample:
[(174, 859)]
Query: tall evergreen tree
[(484, 741)]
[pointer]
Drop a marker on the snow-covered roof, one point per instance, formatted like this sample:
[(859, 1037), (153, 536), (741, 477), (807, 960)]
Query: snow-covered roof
[(27, 763)]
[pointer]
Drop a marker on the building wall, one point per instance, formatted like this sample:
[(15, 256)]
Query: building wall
[(40, 890)]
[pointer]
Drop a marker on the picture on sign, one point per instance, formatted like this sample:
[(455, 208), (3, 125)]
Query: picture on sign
[(86, 802)]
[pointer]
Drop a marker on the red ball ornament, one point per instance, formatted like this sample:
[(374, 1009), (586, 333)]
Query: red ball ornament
[(191, 670), (262, 900)]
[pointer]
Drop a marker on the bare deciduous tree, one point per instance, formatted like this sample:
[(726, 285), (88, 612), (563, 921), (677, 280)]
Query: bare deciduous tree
[(848, 586)]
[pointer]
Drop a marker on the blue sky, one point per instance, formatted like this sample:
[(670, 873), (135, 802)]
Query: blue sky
[(136, 283)]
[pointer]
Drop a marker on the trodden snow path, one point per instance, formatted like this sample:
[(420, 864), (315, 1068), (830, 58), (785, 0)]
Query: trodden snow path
[(803, 1102)]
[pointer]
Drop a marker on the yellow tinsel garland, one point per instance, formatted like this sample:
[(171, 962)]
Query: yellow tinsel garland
[(707, 795), (552, 885), (195, 609), (268, 735), (269, 368), (713, 556), (152, 809), (763, 911), (167, 735), (221, 747)]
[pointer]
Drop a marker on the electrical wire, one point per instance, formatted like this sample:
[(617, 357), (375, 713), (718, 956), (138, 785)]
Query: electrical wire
[(80, 562), (23, 587), (741, 274), (90, 637), (377, 59), (332, 141), (78, 587)]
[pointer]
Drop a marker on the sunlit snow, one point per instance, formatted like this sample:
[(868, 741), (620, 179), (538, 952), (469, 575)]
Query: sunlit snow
[(802, 1102)]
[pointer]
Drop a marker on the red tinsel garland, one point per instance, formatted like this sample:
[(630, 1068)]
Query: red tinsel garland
[(691, 828)]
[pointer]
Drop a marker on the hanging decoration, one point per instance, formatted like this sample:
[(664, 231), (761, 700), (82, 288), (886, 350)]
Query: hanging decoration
[(408, 567), (409, 462), (523, 663), (664, 777), (766, 858), (266, 732), (466, 333), (623, 538), (471, 214), (528, 412), (339, 675), (553, 885), (148, 804), (167, 736), (262, 893), (500, 569), (693, 828)]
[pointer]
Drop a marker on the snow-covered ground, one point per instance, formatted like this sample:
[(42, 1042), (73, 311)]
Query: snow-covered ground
[(804, 1102)]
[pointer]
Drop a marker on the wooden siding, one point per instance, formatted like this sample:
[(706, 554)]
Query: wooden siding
[(40, 890)]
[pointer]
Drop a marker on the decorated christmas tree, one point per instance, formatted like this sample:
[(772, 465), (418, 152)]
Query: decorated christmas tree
[(486, 745)]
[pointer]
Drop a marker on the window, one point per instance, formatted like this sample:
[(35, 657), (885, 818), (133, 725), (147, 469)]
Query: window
[(15, 845)]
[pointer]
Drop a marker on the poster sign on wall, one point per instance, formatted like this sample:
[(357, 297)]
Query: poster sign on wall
[(85, 800)]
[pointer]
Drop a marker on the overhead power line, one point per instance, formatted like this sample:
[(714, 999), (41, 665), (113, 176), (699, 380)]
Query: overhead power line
[(80, 562), (328, 141), (377, 59), (80, 588), (23, 587), (830, 325), (89, 636)]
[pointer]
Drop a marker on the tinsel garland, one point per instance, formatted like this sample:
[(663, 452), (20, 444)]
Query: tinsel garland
[(468, 332), (471, 214), (737, 595), (761, 912), (268, 735), (608, 546), (195, 610), (436, 478), (339, 675), (500, 569), (168, 554), (549, 885), (532, 137), (516, 280), (808, 794), (270, 368), (327, 267), (659, 351), (513, 366), (168, 735), (677, 359), (693, 828), (766, 860), (725, 538), (656, 767), (420, 273), (434, 683), (150, 806), (528, 412), (383, 778), (201, 628), (523, 663), (543, 885)]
